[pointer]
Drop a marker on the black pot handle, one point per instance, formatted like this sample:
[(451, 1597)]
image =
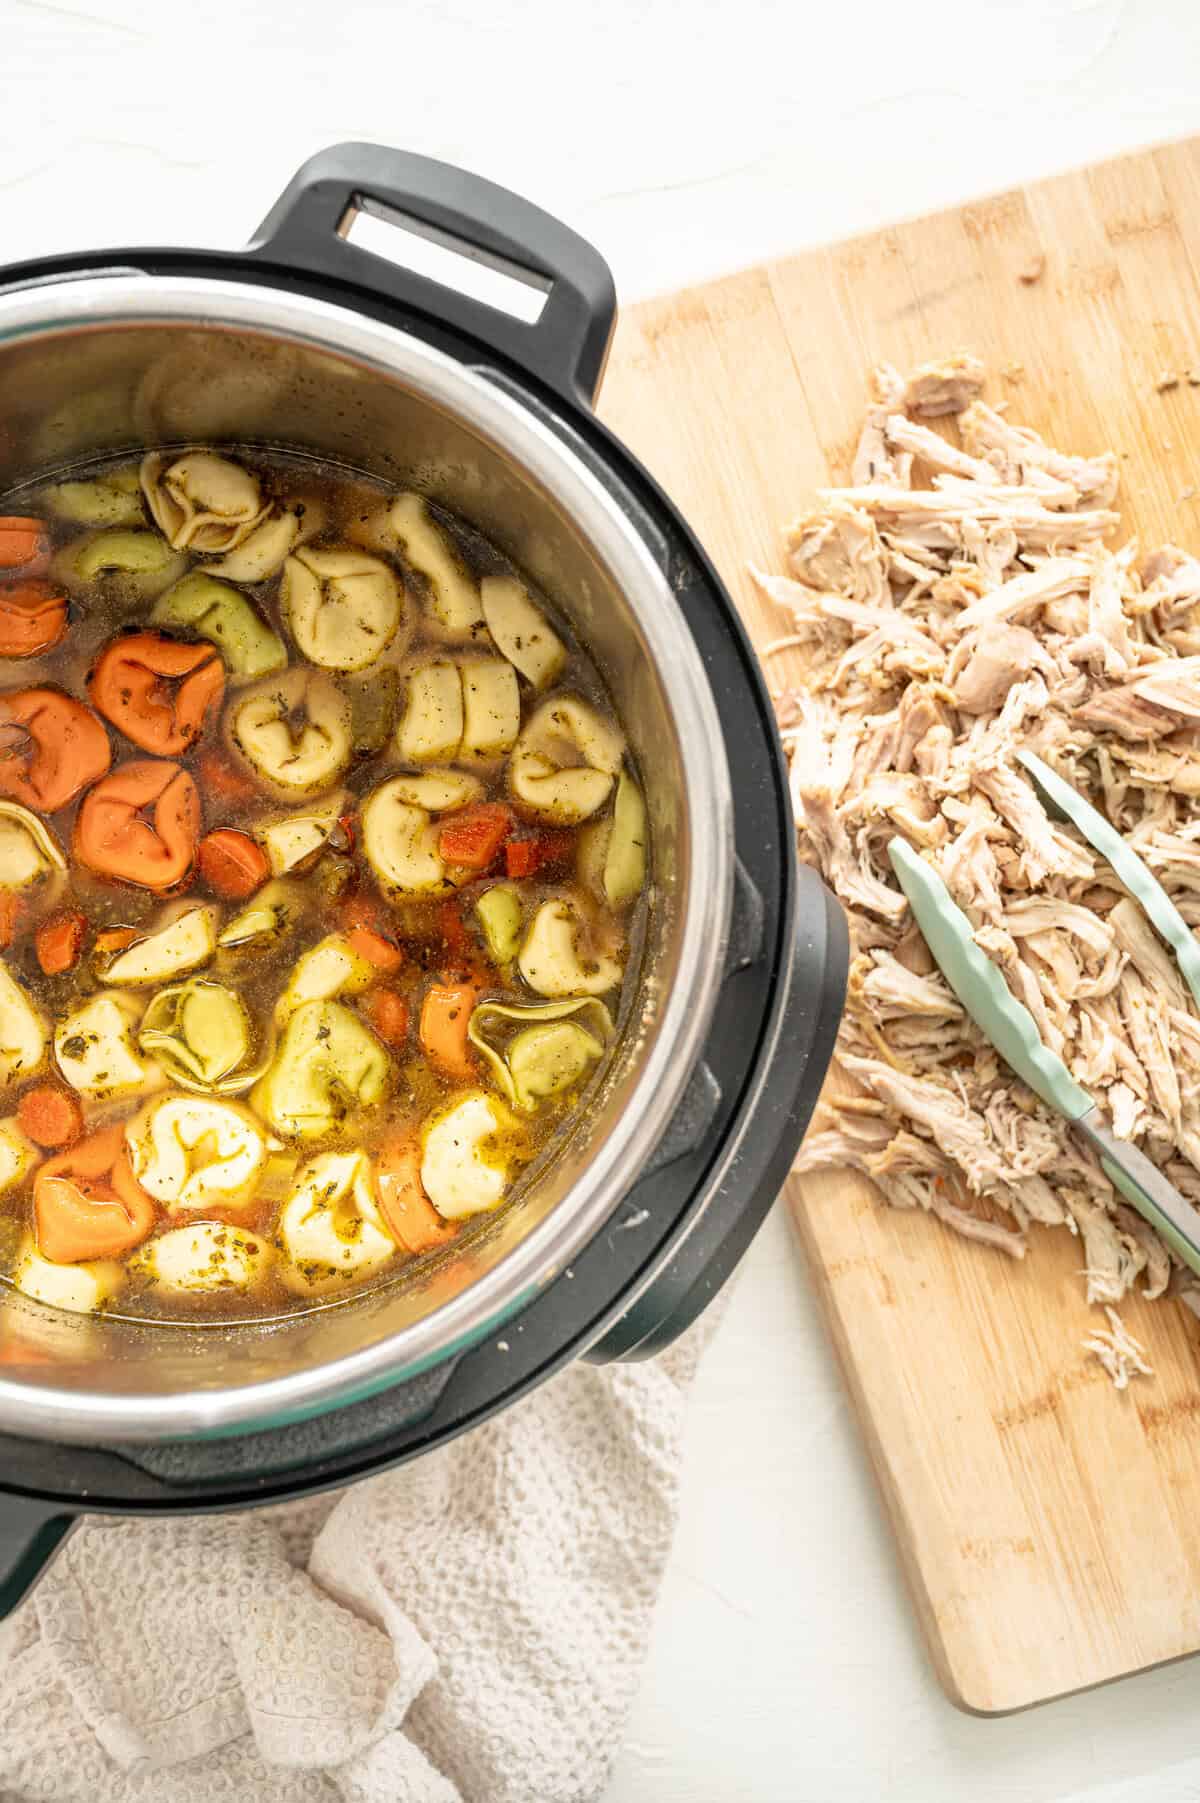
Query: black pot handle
[(769, 1140), (566, 346), (31, 1534)]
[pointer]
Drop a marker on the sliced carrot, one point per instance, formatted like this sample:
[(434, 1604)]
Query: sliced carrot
[(87, 1202), (445, 1015), (232, 864), (59, 942), (33, 616), (51, 747), (11, 910), (387, 1014), (408, 1214), (375, 949), (50, 1116), (113, 839), (24, 544), (223, 782), (158, 692), (473, 837)]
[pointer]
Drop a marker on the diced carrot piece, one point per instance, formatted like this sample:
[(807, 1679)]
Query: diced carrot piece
[(408, 1214), (10, 917), (59, 942), (387, 1013), (115, 939), (445, 1016), (232, 864), (224, 782), (375, 949), (520, 857), (473, 837), (50, 1116)]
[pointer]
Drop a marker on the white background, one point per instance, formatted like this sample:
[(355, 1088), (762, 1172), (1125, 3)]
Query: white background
[(683, 138)]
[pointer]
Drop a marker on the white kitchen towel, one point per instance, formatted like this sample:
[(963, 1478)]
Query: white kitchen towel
[(467, 1629)]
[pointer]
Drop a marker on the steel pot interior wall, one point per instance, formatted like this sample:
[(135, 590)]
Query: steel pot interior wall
[(129, 363)]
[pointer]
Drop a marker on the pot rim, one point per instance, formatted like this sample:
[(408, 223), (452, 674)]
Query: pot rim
[(127, 299)]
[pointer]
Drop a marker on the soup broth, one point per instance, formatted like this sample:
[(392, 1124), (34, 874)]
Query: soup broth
[(322, 858)]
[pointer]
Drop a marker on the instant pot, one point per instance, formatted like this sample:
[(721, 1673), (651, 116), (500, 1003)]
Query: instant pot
[(309, 341)]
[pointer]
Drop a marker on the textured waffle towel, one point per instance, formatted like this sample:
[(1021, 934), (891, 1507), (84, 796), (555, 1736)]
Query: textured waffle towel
[(468, 1629)]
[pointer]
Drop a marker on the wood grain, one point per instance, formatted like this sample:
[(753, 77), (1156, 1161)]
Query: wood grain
[(1049, 1526)]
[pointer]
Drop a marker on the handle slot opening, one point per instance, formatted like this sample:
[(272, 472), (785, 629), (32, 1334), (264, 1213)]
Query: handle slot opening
[(411, 243)]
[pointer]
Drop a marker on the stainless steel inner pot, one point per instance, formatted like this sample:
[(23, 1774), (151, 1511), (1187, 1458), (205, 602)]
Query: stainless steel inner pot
[(104, 364)]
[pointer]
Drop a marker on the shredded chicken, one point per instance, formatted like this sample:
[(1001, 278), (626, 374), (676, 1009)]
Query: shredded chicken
[(1121, 1355), (957, 603)]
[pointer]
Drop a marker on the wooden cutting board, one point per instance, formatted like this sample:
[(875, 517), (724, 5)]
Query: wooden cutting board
[(1050, 1527)]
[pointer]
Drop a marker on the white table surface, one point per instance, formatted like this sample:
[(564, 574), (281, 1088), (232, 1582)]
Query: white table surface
[(683, 138)]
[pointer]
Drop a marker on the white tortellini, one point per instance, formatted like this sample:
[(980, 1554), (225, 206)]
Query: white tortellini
[(612, 852), (342, 607), (199, 1032), (467, 1155), (18, 1155), (184, 942), (29, 852), (400, 836), (293, 731), (201, 501), (262, 552), (95, 1047), (273, 912), (453, 609), (459, 710), (565, 761), (330, 968), (191, 1152), (330, 1226), (201, 1258), (327, 1064), (291, 840), (24, 1031), (80, 1288), (537, 1052), (552, 961), (521, 631)]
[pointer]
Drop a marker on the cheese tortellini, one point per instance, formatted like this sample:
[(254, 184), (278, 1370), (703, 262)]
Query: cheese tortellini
[(459, 710), (201, 501), (192, 1152), (538, 1052), (400, 835), (184, 942), (330, 1226), (202, 1258), (293, 731), (521, 631), (18, 1155), (24, 1031), (565, 761), (29, 852), (80, 1288), (199, 1032), (406, 526), (327, 1064), (96, 1051), (214, 611), (553, 961), (342, 607), (262, 552), (468, 1154)]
